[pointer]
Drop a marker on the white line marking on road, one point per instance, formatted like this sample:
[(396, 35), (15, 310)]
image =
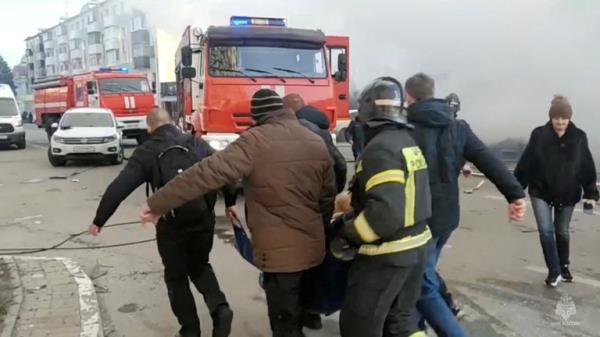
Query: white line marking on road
[(578, 278)]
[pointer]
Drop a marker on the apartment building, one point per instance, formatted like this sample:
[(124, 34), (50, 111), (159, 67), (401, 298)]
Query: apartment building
[(104, 33)]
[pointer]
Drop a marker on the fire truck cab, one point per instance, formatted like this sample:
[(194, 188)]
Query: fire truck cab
[(128, 95), (219, 70)]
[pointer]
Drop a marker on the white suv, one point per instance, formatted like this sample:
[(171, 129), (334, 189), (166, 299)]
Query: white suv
[(86, 133)]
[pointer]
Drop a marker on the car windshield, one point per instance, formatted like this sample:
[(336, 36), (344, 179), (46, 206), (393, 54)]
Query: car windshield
[(91, 119), (8, 107), (123, 85), (260, 61)]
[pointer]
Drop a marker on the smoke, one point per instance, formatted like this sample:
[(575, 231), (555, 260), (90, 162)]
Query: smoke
[(505, 58)]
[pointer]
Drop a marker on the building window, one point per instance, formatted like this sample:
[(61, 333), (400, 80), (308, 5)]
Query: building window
[(95, 59), (75, 44), (94, 38), (112, 56)]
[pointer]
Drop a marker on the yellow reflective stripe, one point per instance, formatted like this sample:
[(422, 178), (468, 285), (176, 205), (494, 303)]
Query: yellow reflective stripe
[(414, 162), (414, 158), (418, 334), (364, 230), (359, 167), (388, 176), (404, 244), (410, 196)]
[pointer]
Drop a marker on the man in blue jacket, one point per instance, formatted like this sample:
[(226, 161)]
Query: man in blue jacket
[(447, 144)]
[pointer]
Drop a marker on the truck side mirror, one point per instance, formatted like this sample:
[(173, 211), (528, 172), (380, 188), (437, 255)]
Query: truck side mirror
[(188, 72), (340, 75), (186, 56)]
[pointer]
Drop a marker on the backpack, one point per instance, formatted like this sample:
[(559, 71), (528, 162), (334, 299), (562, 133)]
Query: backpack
[(175, 155)]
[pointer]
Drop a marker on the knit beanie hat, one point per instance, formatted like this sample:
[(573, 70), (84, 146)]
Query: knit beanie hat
[(560, 107), (264, 101)]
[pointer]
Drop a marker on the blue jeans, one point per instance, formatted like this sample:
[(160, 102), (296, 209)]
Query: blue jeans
[(432, 306), (554, 233)]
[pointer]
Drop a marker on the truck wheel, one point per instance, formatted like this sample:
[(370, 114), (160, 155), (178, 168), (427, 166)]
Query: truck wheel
[(116, 159), (21, 144), (55, 161)]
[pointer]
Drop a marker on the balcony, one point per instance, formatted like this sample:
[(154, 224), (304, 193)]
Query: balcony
[(63, 57), (143, 51), (77, 34), (76, 54), (50, 60), (62, 39), (110, 21), (95, 48), (110, 44), (40, 56), (94, 27)]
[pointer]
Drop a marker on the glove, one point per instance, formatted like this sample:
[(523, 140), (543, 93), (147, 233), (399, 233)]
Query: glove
[(341, 249)]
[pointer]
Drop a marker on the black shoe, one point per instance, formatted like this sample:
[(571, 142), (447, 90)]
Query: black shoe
[(312, 321), (553, 281), (566, 273), (222, 318)]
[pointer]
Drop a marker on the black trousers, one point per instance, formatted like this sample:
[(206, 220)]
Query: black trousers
[(185, 257), (284, 301), (381, 299)]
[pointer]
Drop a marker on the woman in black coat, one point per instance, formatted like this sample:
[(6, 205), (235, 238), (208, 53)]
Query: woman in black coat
[(558, 168)]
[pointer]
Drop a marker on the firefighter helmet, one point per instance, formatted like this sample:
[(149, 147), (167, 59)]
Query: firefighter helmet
[(382, 100), (454, 102)]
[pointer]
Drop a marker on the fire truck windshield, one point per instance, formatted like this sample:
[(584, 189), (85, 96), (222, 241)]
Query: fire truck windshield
[(237, 61), (121, 85)]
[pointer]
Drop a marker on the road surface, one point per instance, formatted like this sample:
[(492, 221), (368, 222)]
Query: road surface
[(494, 267)]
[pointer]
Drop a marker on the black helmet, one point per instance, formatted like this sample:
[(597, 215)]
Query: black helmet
[(382, 100), (454, 102)]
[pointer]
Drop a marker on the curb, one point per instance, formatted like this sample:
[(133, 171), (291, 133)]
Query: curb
[(90, 320), (13, 311)]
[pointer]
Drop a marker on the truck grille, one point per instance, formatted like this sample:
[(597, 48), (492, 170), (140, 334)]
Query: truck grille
[(91, 140), (6, 128), (242, 119)]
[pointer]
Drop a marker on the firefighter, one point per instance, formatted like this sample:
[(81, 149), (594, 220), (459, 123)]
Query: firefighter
[(391, 201)]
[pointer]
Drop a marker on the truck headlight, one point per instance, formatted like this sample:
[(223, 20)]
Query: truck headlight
[(18, 123), (58, 139)]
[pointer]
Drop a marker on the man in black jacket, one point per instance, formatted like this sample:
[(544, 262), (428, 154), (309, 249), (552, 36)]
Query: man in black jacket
[(317, 122), (447, 144), (184, 250)]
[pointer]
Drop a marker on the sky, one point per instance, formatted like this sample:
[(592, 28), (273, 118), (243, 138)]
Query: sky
[(505, 58)]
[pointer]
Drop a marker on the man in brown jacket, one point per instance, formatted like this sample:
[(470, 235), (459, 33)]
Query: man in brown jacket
[(289, 187)]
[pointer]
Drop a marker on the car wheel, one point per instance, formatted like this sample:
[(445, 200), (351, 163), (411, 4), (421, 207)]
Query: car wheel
[(22, 144), (116, 159), (55, 161)]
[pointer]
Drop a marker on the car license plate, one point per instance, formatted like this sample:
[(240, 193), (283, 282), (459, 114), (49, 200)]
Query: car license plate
[(3, 137), (84, 149)]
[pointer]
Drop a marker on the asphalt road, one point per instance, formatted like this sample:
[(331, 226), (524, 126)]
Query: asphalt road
[(494, 267)]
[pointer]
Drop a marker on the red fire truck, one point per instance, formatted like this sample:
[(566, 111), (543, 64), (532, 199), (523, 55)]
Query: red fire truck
[(128, 95), (219, 70)]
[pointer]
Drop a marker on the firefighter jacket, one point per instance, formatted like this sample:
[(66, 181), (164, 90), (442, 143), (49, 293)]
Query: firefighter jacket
[(390, 196)]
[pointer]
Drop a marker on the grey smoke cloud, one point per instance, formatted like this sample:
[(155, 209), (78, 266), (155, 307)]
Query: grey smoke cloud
[(505, 58)]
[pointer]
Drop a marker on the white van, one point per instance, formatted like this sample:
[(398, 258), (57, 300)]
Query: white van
[(11, 124)]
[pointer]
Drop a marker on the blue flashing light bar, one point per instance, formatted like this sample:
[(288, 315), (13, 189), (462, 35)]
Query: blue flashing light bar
[(113, 69), (252, 21)]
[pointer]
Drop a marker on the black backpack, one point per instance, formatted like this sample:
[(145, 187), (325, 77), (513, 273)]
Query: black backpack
[(175, 155)]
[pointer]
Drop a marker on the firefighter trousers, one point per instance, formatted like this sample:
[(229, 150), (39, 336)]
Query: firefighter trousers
[(381, 299), (185, 258)]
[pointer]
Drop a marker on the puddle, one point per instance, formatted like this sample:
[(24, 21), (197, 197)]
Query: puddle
[(128, 308)]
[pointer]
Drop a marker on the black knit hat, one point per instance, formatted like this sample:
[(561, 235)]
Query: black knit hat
[(263, 101)]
